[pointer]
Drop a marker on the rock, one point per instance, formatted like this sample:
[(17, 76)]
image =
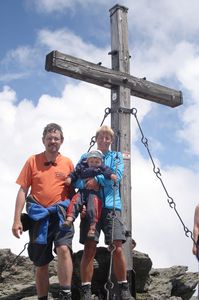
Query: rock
[(142, 265), (174, 283)]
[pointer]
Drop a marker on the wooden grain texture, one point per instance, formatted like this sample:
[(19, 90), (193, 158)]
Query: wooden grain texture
[(108, 78)]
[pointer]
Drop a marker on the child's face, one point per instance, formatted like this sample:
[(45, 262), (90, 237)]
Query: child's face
[(94, 162)]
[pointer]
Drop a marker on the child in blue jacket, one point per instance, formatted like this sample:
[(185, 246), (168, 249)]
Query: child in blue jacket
[(89, 167)]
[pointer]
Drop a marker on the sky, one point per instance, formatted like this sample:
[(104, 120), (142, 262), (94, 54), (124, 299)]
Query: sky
[(164, 48)]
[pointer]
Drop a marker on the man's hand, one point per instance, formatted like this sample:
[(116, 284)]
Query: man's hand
[(91, 184), (17, 229)]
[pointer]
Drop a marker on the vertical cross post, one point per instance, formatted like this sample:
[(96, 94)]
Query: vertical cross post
[(120, 122)]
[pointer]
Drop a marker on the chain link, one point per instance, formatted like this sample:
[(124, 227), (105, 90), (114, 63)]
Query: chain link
[(156, 170), (9, 265), (107, 111)]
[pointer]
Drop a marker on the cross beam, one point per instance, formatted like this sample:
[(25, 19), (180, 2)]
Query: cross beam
[(93, 73)]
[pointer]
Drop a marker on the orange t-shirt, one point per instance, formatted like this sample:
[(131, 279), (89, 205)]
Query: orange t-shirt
[(46, 187)]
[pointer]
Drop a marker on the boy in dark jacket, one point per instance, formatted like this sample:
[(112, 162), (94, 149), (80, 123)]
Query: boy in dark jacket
[(87, 168)]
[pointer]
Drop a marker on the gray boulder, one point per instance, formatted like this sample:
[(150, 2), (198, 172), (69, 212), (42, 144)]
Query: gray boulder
[(174, 283)]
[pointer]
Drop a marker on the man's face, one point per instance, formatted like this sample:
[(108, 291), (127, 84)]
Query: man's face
[(52, 141)]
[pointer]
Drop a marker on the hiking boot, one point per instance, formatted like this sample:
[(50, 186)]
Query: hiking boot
[(125, 292), (65, 296), (85, 292)]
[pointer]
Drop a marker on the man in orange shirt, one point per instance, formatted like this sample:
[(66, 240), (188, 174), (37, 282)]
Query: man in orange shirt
[(40, 179)]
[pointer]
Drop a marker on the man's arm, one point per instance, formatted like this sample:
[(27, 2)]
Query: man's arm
[(196, 230), (17, 227)]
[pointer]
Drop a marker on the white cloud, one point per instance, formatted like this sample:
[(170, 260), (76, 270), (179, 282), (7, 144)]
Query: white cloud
[(168, 62), (189, 72), (68, 42), (169, 20), (12, 76), (156, 227), (189, 133), (23, 56), (50, 6), (7, 95), (60, 6), (80, 110), (19, 63)]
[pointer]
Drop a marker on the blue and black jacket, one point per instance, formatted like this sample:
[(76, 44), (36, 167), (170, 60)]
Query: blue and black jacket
[(111, 198), (41, 215)]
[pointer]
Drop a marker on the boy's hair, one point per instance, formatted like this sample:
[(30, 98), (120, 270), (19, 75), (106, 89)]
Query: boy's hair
[(104, 129), (52, 127)]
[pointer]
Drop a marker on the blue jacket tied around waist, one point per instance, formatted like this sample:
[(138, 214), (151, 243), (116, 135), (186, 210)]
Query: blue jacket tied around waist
[(41, 214)]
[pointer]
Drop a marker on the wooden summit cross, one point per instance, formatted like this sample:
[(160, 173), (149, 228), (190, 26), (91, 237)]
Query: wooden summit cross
[(122, 86)]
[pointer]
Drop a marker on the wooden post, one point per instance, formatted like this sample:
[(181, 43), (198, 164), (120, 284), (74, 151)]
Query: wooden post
[(120, 122)]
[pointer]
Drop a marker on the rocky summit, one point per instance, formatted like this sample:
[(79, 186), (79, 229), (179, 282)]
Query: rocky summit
[(174, 283)]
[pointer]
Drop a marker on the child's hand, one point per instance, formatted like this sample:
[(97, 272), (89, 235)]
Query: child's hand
[(83, 212), (68, 181), (91, 184), (114, 177)]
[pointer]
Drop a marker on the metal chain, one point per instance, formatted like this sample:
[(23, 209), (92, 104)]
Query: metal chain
[(9, 265), (109, 285), (156, 170), (107, 111)]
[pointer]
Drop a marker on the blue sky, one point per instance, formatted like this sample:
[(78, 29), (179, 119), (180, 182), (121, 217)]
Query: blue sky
[(163, 43)]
